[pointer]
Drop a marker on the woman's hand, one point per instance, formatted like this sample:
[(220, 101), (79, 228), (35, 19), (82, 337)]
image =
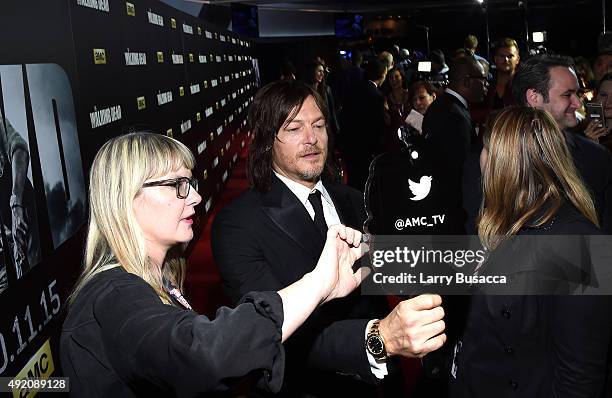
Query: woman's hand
[(595, 130), (334, 269), (332, 277)]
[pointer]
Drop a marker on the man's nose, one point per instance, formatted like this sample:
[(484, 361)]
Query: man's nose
[(311, 135)]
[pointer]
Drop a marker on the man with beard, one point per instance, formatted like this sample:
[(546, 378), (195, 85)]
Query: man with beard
[(280, 224), (549, 82), (506, 59)]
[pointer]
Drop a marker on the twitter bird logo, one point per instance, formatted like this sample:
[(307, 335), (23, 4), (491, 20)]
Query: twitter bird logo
[(421, 189)]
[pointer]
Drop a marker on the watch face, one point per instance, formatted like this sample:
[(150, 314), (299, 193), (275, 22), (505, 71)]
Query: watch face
[(375, 345)]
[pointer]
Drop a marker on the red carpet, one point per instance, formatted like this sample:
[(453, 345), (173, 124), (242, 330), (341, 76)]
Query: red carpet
[(203, 284)]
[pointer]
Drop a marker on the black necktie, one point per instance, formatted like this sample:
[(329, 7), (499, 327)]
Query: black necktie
[(317, 205)]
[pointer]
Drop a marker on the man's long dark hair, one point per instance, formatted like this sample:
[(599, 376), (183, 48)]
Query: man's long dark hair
[(274, 106)]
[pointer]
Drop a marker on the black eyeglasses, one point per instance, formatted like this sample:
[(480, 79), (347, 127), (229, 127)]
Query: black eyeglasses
[(182, 185)]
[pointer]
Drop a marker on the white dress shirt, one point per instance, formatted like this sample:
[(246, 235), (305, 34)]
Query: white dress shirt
[(379, 368)]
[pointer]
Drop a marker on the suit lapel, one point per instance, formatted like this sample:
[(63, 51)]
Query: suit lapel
[(343, 205), (289, 214)]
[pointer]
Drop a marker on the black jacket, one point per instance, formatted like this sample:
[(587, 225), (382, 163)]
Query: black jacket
[(536, 346), (448, 129), (120, 340), (594, 163)]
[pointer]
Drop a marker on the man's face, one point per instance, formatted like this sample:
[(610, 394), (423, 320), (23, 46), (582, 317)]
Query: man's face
[(384, 76), (300, 149), (603, 65), (506, 59), (478, 84), (562, 98), (422, 99)]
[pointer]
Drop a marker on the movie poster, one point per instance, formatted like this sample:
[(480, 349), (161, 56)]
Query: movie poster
[(18, 215)]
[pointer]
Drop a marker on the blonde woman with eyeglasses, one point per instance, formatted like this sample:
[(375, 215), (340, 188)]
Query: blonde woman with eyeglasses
[(129, 331)]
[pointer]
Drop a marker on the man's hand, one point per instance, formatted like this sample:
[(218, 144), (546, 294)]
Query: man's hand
[(414, 327)]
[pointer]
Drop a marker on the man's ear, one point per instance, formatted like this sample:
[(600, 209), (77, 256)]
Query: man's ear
[(534, 99)]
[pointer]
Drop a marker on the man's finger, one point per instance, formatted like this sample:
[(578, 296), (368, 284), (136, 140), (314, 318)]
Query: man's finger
[(432, 344), (432, 329), (425, 302), (362, 273), (430, 316)]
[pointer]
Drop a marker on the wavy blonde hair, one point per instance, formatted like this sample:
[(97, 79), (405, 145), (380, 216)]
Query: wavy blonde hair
[(529, 173), (114, 237)]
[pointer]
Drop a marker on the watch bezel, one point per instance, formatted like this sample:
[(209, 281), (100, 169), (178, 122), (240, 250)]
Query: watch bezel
[(379, 341)]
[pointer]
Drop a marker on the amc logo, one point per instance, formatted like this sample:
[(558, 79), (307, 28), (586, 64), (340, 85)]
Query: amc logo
[(99, 56), (40, 366)]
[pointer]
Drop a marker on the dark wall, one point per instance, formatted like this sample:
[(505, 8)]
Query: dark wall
[(273, 52), (72, 75)]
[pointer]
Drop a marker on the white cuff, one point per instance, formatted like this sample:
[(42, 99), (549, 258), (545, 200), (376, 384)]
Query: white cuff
[(378, 368)]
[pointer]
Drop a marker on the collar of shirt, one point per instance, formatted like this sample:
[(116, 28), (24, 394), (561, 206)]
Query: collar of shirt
[(458, 96), (302, 192), (374, 83)]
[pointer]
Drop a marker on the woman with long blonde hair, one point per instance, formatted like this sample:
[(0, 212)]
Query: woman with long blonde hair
[(129, 330), (542, 341)]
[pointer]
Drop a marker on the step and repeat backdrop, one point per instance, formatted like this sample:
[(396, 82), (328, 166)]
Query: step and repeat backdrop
[(74, 73)]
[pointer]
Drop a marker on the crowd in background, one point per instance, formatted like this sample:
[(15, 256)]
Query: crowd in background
[(405, 87)]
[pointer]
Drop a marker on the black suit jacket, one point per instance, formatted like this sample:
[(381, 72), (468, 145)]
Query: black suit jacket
[(448, 127), (266, 241), (594, 163)]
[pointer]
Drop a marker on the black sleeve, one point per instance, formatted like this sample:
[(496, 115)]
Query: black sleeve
[(150, 342), (581, 327)]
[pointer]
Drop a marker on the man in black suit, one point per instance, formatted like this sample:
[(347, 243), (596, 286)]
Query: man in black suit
[(449, 133), (363, 124), (549, 82), (280, 224)]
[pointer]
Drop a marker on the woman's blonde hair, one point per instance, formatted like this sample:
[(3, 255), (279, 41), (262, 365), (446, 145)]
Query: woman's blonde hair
[(529, 173), (114, 237)]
